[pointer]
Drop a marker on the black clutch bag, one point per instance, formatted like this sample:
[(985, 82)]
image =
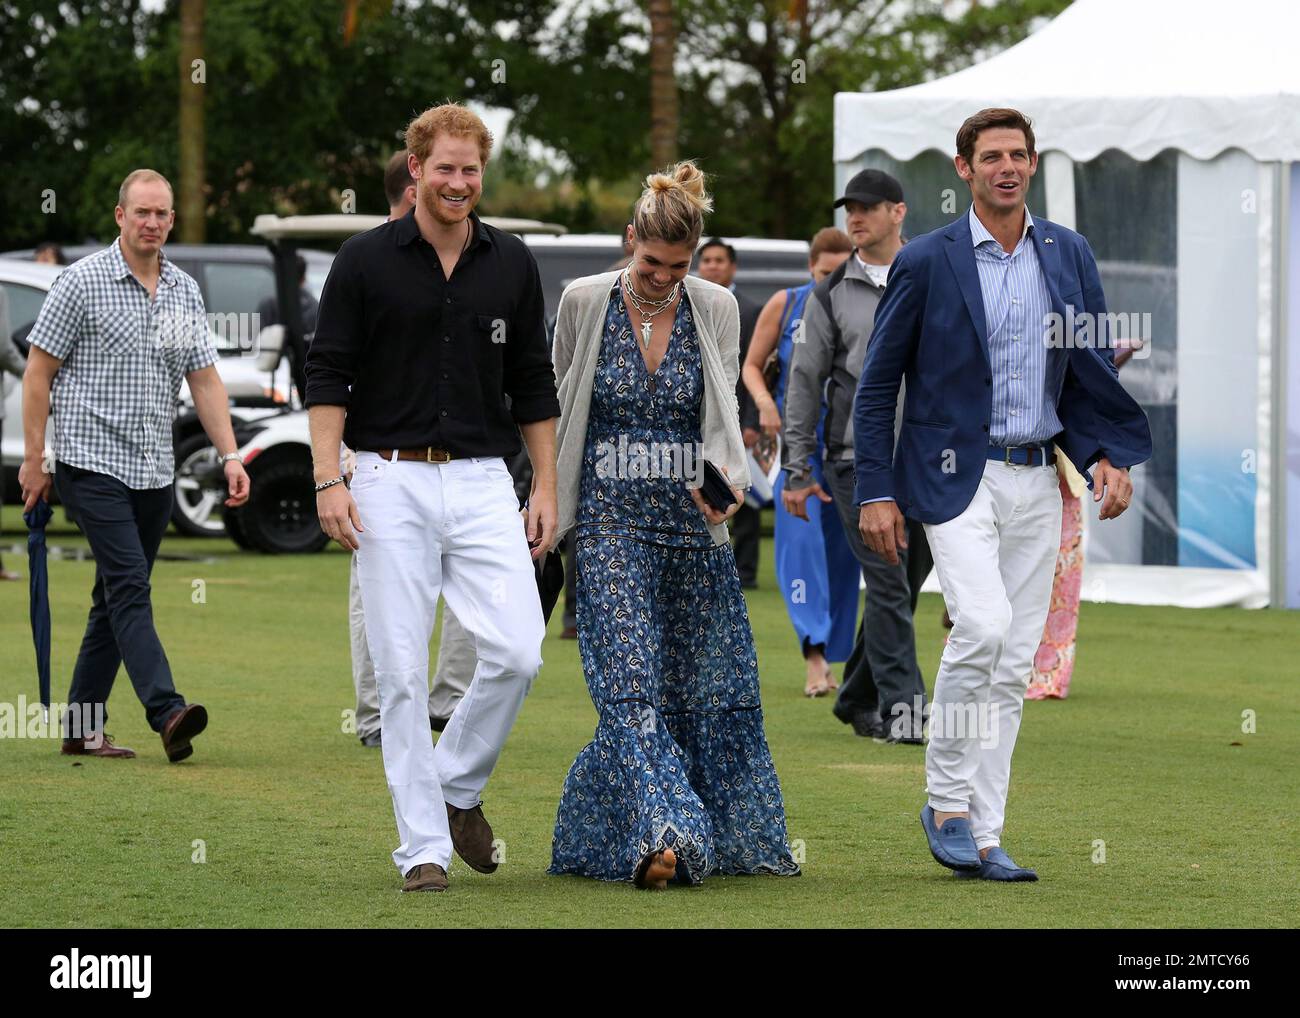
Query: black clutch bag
[(549, 570), (716, 490)]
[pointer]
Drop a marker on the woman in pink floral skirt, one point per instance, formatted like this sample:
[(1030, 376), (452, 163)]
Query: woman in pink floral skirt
[(1054, 662)]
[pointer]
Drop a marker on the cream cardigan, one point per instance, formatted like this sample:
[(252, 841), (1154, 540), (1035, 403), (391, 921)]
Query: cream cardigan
[(579, 330)]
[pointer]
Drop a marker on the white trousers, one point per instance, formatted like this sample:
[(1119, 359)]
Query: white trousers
[(452, 529), (995, 562), (455, 669)]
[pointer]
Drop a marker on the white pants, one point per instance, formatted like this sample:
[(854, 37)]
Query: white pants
[(995, 563), (456, 663), (452, 529)]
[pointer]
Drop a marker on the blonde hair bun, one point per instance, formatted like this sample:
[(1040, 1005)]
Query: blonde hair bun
[(673, 205)]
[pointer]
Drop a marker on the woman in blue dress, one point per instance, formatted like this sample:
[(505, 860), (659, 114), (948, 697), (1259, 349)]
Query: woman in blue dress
[(677, 782), (815, 567)]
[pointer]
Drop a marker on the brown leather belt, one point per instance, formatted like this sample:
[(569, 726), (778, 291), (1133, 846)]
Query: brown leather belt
[(426, 455)]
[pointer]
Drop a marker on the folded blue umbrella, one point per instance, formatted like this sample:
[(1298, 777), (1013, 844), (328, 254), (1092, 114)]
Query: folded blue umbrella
[(36, 519)]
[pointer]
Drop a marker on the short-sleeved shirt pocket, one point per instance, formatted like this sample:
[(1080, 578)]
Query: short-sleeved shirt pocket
[(116, 331), (173, 333)]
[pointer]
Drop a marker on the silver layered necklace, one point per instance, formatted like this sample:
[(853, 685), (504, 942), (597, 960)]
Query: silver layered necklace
[(647, 309)]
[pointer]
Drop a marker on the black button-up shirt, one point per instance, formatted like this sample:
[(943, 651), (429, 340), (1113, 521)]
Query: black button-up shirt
[(420, 360)]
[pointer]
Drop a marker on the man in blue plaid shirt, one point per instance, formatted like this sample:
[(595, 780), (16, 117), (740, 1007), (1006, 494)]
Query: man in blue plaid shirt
[(115, 336)]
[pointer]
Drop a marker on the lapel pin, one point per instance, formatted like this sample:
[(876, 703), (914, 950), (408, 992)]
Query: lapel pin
[(1048, 240)]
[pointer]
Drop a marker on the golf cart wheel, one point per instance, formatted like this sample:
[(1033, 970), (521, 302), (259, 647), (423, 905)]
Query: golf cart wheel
[(280, 517), (199, 489)]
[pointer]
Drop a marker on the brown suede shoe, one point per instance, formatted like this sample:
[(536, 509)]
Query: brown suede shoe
[(472, 837), (101, 745), (427, 876), (180, 728)]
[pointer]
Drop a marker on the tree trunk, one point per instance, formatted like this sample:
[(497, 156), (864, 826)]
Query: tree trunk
[(191, 202), (663, 84)]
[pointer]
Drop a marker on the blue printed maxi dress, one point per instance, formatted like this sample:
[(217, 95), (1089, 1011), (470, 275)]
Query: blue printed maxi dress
[(679, 759)]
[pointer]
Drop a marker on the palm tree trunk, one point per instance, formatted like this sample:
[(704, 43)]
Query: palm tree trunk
[(190, 205), (663, 84)]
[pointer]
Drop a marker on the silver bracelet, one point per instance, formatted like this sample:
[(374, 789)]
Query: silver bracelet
[(232, 456), (328, 484)]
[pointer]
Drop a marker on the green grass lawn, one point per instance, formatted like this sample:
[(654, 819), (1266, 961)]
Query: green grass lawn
[(293, 816)]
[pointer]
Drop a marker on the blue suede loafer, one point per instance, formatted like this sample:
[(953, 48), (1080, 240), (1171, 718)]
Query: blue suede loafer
[(999, 866), (952, 845)]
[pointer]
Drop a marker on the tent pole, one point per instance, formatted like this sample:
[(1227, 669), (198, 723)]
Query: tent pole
[(1282, 198), (1058, 187)]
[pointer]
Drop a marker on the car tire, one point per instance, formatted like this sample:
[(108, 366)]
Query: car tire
[(235, 528), (196, 509), (280, 515)]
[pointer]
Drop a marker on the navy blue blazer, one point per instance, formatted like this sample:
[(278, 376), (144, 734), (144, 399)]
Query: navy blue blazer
[(930, 329)]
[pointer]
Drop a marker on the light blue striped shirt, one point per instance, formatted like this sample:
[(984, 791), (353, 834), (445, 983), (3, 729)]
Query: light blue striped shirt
[(1027, 373)]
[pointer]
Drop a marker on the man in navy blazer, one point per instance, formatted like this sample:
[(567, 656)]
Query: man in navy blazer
[(997, 323)]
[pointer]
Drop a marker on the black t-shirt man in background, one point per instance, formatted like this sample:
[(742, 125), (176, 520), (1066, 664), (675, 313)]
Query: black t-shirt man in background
[(716, 262), (268, 308)]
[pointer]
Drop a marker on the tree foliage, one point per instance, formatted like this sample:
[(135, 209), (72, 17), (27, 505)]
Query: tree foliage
[(757, 80), (307, 98), (762, 76), (297, 115)]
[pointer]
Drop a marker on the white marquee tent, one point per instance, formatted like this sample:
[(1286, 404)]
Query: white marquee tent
[(1170, 137)]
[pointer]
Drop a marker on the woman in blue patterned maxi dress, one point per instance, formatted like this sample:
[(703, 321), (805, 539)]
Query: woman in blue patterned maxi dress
[(679, 759)]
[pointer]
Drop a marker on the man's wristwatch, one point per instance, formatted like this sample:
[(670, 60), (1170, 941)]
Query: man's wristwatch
[(232, 456)]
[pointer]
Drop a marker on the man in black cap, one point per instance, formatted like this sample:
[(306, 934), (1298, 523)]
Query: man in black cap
[(881, 678)]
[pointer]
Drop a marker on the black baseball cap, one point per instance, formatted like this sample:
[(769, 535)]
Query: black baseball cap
[(871, 187)]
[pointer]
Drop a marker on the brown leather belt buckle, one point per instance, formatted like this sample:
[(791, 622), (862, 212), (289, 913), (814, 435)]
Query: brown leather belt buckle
[(426, 455)]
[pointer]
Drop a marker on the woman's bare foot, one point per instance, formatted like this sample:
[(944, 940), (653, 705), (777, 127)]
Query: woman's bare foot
[(818, 680), (655, 870)]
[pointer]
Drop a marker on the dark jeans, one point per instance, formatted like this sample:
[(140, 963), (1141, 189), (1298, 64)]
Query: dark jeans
[(744, 543), (882, 671), (124, 527)]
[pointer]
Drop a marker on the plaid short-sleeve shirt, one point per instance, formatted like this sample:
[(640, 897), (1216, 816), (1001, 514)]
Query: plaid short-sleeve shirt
[(124, 357)]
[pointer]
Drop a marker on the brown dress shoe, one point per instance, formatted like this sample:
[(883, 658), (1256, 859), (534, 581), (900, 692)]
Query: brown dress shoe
[(180, 728), (472, 837), (101, 745), (427, 876)]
